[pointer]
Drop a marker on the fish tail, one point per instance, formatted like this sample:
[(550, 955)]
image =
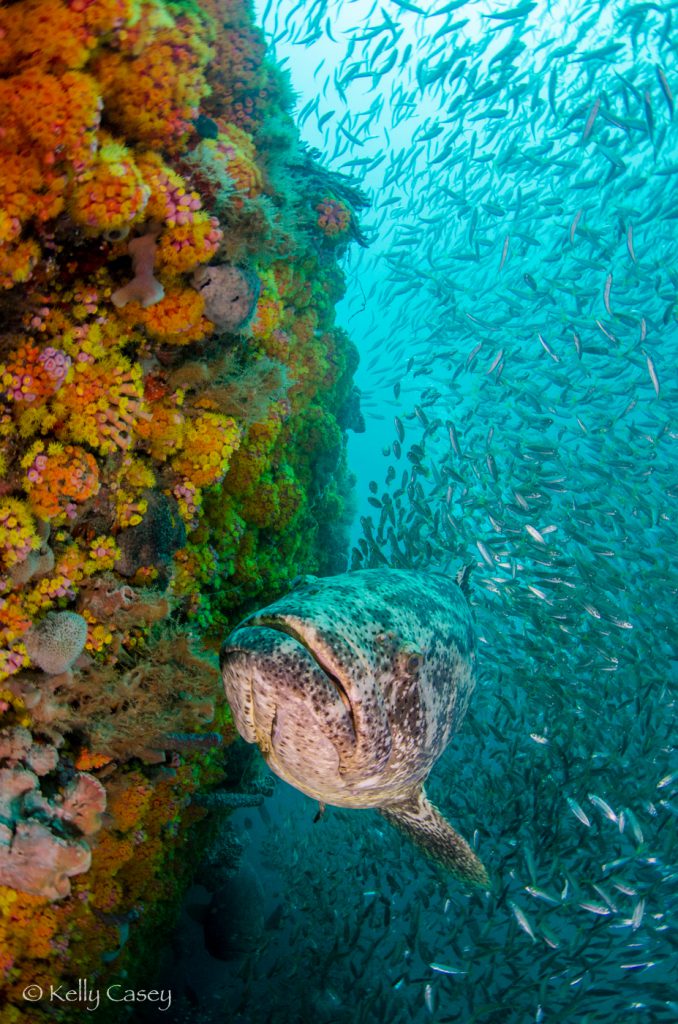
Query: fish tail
[(425, 826)]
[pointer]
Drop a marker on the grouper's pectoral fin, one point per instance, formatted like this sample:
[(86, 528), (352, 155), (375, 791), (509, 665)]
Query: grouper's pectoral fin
[(423, 823)]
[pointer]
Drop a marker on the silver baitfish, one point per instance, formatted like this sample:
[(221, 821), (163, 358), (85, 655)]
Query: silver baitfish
[(351, 687)]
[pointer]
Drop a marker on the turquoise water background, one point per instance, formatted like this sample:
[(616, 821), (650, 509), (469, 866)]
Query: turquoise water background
[(516, 317)]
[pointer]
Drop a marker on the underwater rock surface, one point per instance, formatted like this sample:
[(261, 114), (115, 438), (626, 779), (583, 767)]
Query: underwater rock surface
[(156, 482), (233, 921)]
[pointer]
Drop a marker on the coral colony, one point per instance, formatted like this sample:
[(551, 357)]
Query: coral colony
[(174, 396)]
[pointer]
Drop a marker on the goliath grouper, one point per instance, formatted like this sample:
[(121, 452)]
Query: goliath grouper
[(351, 687)]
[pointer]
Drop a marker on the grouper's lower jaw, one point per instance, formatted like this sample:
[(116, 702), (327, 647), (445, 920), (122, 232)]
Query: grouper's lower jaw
[(233, 661), (286, 702)]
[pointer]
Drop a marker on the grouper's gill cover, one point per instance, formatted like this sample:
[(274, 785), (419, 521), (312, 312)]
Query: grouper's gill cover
[(351, 687)]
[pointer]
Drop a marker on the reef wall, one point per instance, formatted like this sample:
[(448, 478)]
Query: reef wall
[(174, 400)]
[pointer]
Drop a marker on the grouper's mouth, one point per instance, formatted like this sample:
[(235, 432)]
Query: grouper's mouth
[(328, 670)]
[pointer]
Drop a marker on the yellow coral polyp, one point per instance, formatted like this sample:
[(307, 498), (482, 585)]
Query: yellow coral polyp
[(171, 201), (71, 562), (32, 374), (130, 512), (48, 590), (8, 897), (103, 553), (267, 317), (189, 499), (236, 152), (186, 579), (110, 193), (163, 433), (18, 533), (10, 226), (99, 636), (210, 440), (269, 312), (132, 479), (88, 342), (17, 262), (15, 619)]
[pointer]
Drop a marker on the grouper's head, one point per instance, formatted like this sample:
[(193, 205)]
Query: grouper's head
[(351, 685), (305, 696)]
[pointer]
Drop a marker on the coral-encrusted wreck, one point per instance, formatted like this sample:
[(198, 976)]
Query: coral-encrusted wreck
[(173, 399)]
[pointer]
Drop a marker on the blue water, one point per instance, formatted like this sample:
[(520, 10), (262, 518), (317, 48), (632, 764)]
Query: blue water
[(520, 286)]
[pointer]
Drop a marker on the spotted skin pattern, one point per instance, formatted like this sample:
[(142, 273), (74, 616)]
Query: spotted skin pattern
[(351, 686)]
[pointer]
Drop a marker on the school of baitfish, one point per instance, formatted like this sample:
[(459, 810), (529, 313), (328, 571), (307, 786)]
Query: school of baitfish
[(516, 313)]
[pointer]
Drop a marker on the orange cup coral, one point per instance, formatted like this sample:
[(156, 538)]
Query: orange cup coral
[(176, 319), (109, 193), (151, 95), (59, 478), (102, 404), (334, 217), (32, 374)]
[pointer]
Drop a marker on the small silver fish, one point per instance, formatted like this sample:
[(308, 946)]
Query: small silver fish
[(578, 811), (523, 923), (445, 969)]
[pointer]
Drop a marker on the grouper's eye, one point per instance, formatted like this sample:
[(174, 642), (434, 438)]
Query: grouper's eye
[(414, 662)]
